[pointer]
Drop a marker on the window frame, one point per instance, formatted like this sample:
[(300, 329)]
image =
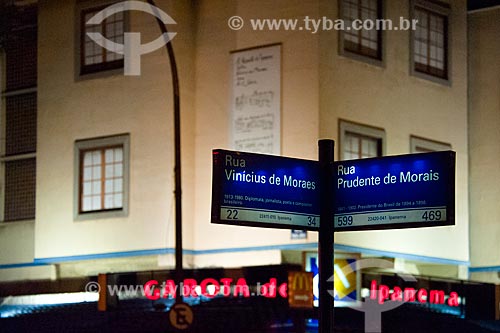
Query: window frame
[(26, 27), (4, 159), (427, 144), (377, 61), (361, 138), (81, 146), (440, 9), (3, 190), (103, 69), (362, 130)]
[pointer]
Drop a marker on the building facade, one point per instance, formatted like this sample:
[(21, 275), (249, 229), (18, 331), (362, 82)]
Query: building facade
[(104, 140), (484, 105)]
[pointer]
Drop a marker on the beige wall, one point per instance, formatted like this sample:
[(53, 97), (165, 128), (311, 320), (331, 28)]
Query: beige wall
[(484, 115), (299, 112), (390, 98), (28, 273), (70, 109), (318, 88), (17, 241)]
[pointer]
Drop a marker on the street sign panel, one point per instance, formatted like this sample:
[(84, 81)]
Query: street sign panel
[(406, 191), (264, 190)]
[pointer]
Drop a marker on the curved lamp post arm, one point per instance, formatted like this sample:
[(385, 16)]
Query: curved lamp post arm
[(177, 166)]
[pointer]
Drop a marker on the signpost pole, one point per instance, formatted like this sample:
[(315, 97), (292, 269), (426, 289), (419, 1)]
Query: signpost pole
[(326, 235)]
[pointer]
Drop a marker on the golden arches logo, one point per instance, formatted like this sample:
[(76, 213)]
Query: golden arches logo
[(302, 280), (300, 289)]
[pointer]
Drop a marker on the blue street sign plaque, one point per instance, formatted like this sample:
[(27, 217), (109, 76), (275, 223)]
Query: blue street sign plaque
[(264, 190), (406, 191)]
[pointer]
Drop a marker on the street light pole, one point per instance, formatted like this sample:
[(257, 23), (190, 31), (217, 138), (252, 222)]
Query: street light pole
[(177, 165)]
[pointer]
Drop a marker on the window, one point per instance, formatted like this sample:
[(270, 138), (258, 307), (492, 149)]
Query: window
[(421, 145), (102, 177), (366, 43), (93, 57), (19, 118), (19, 159), (21, 57), (360, 141), (360, 146), (430, 41), (20, 187)]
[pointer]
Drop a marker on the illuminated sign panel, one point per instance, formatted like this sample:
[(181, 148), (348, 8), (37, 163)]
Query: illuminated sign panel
[(346, 286), (408, 294), (405, 191), (210, 288), (264, 190), (300, 289)]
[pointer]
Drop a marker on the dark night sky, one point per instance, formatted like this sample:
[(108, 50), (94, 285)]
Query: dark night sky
[(478, 4)]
